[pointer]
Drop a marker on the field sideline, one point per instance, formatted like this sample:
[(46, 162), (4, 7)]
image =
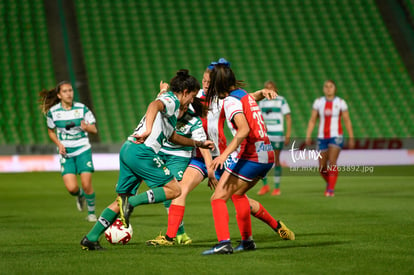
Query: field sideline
[(368, 228)]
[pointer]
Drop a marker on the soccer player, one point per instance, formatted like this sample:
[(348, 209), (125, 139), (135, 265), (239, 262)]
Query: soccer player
[(176, 157), (199, 167), (68, 125), (139, 159), (330, 109), (274, 112), (255, 158)]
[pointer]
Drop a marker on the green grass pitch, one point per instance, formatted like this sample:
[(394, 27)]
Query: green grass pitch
[(368, 228)]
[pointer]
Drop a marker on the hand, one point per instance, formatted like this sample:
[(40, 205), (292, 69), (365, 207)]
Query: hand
[(269, 94), (140, 138), (287, 140), (212, 181), (218, 163), (163, 87), (207, 144), (351, 143), (308, 141), (62, 149), (84, 125)]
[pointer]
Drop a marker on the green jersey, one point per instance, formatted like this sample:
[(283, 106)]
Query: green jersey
[(164, 123), (68, 126), (188, 126), (273, 112)]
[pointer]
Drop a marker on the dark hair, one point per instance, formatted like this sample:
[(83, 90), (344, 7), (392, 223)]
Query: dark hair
[(48, 98), (222, 80), (182, 80), (199, 107)]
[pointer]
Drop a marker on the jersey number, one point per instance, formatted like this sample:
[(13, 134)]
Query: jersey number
[(260, 122)]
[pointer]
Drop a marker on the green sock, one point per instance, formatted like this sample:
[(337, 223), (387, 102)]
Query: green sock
[(80, 192), (151, 196), (264, 181), (104, 221), (167, 204), (181, 229), (90, 202), (276, 176)]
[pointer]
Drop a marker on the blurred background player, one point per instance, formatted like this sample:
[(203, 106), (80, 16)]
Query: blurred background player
[(72, 122), (330, 109), (274, 112)]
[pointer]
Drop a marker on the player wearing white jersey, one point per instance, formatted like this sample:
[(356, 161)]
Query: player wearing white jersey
[(274, 113), (139, 159), (330, 109), (68, 125)]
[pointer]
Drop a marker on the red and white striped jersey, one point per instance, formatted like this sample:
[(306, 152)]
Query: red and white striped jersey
[(330, 112), (214, 126), (256, 147)]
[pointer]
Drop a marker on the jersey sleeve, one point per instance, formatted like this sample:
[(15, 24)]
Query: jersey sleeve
[(285, 107), (197, 131), (169, 104), (89, 117), (343, 106), (49, 120), (232, 106), (316, 104)]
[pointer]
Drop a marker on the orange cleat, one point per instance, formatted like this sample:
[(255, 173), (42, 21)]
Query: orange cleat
[(276, 192), (265, 189)]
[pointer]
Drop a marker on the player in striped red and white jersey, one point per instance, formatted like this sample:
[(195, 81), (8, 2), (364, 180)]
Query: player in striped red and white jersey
[(330, 109), (255, 157)]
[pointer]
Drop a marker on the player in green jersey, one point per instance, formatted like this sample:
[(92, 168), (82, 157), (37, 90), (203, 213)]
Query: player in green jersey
[(68, 125), (139, 159), (275, 112)]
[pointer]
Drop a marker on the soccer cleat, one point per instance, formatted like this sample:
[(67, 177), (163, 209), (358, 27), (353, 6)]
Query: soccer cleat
[(329, 193), (184, 239), (88, 245), (265, 189), (80, 203), (160, 241), (91, 218), (220, 248), (125, 209), (245, 245), (284, 232), (276, 192)]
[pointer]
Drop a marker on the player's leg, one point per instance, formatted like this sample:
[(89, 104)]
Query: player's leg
[(323, 161), (277, 172), (85, 168), (191, 178), (68, 171), (258, 211), (333, 154)]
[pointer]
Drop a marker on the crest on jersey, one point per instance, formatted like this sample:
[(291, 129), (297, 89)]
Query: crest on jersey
[(328, 112)]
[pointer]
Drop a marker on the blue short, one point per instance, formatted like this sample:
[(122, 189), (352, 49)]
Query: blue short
[(249, 170), (199, 164), (324, 143)]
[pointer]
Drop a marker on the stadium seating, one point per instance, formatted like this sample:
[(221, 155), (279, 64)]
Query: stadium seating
[(26, 68), (129, 46)]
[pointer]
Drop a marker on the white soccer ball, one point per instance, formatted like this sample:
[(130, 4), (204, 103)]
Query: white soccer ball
[(117, 233)]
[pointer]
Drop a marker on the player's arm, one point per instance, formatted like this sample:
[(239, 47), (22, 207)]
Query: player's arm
[(152, 111), (54, 138), (348, 126), (288, 119), (311, 125), (243, 131), (185, 141), (90, 128), (212, 181), (264, 93)]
